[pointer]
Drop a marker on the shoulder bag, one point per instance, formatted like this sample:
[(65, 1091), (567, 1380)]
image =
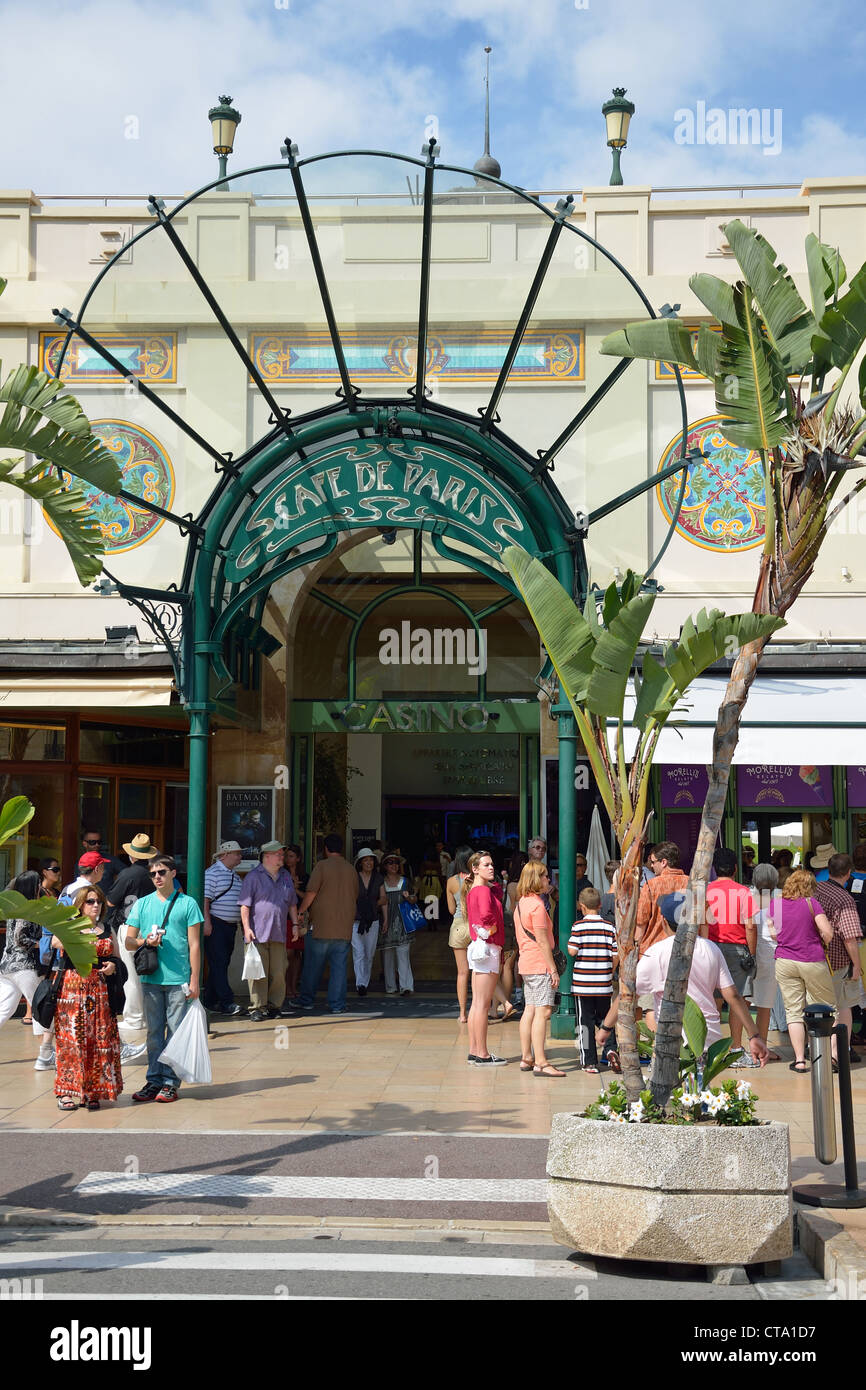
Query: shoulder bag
[(559, 958), (413, 917), (45, 999), (146, 958)]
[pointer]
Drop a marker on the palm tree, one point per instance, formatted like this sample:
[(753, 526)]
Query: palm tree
[(41, 418), (594, 655), (64, 922), (768, 344)]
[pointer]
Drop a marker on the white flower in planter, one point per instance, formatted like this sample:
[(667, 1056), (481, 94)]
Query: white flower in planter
[(689, 1100), (718, 1103), (744, 1090), (636, 1112), (605, 1111), (618, 1119)]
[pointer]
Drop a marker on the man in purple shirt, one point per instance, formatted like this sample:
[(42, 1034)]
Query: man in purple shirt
[(267, 900)]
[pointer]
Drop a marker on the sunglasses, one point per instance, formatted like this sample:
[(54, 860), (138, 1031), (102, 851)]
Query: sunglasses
[(92, 844), (158, 873), (91, 902), (53, 869)]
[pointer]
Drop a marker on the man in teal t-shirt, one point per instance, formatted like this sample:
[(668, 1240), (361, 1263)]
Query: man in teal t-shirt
[(171, 921)]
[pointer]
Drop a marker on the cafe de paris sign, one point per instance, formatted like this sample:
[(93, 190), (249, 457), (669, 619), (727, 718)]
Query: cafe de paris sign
[(368, 483)]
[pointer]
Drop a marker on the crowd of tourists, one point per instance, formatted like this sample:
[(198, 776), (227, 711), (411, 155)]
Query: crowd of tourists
[(775, 937)]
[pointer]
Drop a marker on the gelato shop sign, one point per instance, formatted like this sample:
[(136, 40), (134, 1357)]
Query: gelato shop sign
[(785, 786), (365, 484)]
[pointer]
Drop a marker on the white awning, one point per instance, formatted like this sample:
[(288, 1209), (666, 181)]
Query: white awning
[(79, 691), (806, 719)]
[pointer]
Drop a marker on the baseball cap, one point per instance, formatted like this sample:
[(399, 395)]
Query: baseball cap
[(90, 860)]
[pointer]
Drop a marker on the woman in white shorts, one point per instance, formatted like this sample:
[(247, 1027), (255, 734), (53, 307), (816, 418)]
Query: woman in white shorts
[(765, 887), (482, 909), (534, 931)]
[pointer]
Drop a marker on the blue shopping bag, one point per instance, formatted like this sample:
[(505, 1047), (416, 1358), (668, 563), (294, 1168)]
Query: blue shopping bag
[(413, 917)]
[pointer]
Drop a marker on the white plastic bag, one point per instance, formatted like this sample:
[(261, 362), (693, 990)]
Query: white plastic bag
[(253, 968), (477, 953), (186, 1051)]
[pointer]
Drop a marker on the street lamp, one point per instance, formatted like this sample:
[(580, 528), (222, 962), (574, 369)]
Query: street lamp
[(617, 113), (224, 120)]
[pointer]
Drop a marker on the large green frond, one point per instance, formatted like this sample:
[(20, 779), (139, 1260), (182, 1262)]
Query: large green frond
[(716, 295), (842, 330), (614, 656), (14, 815), (654, 340), (64, 922), (42, 419), (750, 382), (789, 324), (67, 509), (827, 274), (565, 633), (707, 639)]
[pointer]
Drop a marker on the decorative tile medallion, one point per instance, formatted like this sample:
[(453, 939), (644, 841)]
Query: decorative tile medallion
[(308, 358), (146, 471), (151, 356), (723, 506)]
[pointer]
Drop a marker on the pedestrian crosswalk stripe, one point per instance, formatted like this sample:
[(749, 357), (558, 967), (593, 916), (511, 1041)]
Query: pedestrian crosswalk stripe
[(276, 1262), (309, 1188)]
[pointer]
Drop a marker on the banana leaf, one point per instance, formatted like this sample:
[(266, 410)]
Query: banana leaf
[(14, 815), (719, 1057), (655, 340), (702, 642), (614, 655), (842, 329), (717, 296), (566, 635), (827, 274), (789, 324), (694, 1026), (751, 382), (67, 509), (64, 922)]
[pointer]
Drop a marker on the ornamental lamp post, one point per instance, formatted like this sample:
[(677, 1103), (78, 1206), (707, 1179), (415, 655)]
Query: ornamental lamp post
[(224, 120), (617, 112)]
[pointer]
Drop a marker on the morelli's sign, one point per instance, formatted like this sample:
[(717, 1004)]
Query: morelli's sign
[(785, 786), (683, 787), (372, 484)]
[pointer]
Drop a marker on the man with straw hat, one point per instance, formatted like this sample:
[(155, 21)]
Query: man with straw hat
[(131, 884)]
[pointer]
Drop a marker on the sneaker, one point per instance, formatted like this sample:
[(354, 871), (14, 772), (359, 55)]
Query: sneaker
[(256, 1015), (406, 991), (517, 998), (45, 1063), (148, 1092), (747, 1060), (297, 1003), (167, 1094), (339, 1011), (289, 1009), (362, 990), (490, 1061), (231, 1012), (471, 1057), (272, 1012), (130, 1051)]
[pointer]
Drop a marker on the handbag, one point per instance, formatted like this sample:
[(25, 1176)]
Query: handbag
[(146, 958), (45, 999), (413, 917), (747, 960), (559, 958)]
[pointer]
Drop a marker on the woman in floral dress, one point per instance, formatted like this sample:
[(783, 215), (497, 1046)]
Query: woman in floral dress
[(87, 1040)]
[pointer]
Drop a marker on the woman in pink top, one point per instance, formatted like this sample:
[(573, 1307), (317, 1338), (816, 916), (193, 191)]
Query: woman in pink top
[(534, 931), (482, 910), (801, 931)]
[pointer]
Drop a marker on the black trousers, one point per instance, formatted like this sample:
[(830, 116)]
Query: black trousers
[(589, 1014), (218, 948)]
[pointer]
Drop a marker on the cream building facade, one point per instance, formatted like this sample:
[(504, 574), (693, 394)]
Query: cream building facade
[(89, 723)]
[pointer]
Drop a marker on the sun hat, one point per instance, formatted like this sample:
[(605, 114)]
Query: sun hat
[(365, 853), (822, 856), (90, 860), (141, 847), (229, 847), (271, 846)]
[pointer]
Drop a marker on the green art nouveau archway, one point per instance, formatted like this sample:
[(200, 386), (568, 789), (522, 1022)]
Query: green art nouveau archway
[(358, 462)]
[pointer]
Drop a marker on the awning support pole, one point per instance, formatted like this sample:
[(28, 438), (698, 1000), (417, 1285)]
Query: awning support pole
[(562, 1022)]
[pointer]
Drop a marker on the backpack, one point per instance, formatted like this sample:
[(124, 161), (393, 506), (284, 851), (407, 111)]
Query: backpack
[(857, 888)]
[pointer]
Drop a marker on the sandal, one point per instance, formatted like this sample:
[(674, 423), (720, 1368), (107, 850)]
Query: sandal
[(526, 1065), (548, 1070), (800, 1067), (591, 1071), (66, 1103), (92, 1104), (614, 1063)]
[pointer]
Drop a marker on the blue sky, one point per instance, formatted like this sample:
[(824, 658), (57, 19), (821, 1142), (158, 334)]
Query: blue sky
[(369, 73)]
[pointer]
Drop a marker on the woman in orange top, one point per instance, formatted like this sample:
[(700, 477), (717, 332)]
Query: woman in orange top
[(534, 931)]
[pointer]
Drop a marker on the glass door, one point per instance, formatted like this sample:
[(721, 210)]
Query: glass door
[(138, 809)]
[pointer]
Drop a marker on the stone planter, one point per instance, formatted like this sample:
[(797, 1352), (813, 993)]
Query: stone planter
[(704, 1194)]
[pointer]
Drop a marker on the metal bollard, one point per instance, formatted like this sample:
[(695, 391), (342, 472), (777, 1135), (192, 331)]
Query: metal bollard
[(819, 1022)]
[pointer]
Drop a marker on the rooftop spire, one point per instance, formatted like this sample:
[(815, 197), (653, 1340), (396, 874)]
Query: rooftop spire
[(487, 166)]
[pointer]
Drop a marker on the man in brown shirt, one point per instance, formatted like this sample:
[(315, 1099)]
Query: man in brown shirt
[(331, 897), (664, 860)]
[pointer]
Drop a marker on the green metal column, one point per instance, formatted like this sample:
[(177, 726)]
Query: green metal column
[(562, 1023), (199, 734), (841, 830)]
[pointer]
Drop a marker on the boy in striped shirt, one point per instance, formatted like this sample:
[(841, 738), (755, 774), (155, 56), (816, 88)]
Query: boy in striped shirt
[(593, 945)]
